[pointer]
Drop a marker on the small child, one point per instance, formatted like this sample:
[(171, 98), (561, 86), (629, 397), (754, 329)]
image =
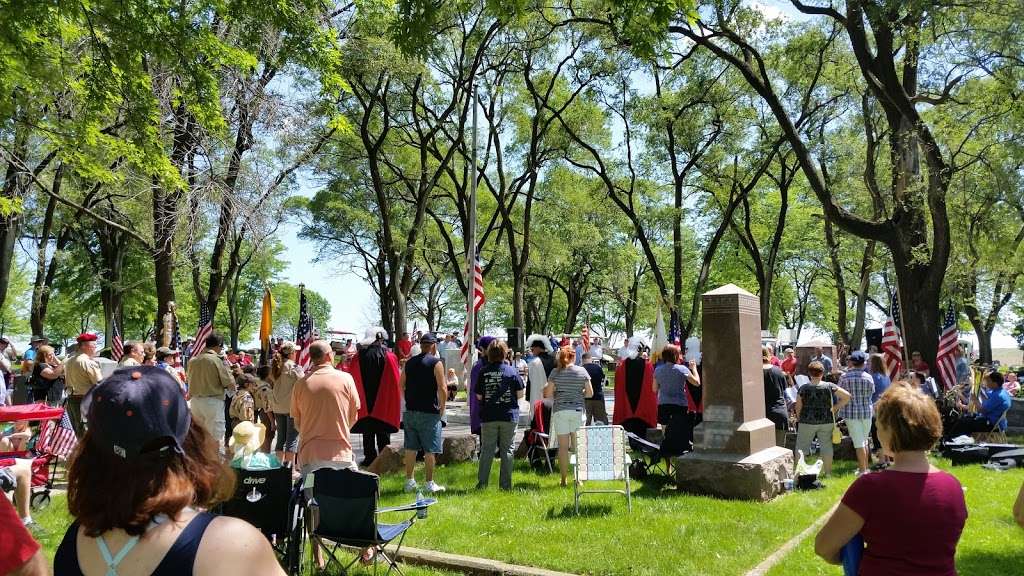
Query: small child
[(17, 439), (243, 405), (453, 384)]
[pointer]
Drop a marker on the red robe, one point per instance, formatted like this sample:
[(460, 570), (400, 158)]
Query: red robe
[(387, 409), (646, 409)]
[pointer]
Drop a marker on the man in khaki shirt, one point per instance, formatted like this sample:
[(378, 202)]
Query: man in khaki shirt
[(208, 379), (81, 373)]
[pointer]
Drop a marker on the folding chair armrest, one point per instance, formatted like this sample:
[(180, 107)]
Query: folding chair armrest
[(423, 504), (542, 435), (643, 442)]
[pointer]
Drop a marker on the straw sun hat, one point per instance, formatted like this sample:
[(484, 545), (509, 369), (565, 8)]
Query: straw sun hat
[(248, 437)]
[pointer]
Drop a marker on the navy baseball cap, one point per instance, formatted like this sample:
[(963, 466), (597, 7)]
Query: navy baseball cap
[(428, 338), (138, 410), (858, 357)]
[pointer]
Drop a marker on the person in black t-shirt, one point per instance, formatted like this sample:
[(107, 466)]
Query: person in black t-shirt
[(596, 411), (498, 389)]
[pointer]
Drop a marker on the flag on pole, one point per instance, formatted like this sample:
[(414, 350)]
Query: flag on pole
[(305, 334), (57, 438), (116, 343), (948, 342), (205, 329), (585, 338), (892, 348), (660, 340), (477, 304), (675, 332), (266, 324)]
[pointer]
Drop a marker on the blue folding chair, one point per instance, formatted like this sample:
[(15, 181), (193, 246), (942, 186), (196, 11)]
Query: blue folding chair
[(342, 507)]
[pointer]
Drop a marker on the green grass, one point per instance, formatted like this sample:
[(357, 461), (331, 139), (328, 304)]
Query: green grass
[(991, 543), (667, 533)]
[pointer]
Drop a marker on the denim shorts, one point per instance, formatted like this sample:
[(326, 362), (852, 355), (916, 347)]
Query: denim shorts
[(422, 431)]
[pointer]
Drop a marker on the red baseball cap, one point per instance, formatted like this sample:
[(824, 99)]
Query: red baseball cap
[(86, 337)]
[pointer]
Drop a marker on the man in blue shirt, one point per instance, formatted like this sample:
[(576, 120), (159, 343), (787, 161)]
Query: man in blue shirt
[(819, 356), (963, 369), (993, 410)]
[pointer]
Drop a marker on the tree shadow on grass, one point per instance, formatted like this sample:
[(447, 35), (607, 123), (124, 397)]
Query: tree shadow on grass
[(586, 511), (1009, 561)]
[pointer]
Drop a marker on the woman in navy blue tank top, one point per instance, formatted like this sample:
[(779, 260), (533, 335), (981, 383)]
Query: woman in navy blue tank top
[(137, 486)]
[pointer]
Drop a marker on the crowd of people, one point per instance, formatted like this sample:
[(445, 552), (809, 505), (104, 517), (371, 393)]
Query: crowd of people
[(168, 433)]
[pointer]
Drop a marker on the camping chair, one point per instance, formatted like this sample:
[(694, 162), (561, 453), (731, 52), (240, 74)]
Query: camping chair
[(342, 508), (538, 441), (996, 435), (601, 455), (268, 500), (651, 460)]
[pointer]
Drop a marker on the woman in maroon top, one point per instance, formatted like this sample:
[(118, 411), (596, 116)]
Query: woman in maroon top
[(911, 514)]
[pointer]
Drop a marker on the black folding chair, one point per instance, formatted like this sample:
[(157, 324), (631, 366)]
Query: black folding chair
[(342, 507), (650, 460), (268, 500)]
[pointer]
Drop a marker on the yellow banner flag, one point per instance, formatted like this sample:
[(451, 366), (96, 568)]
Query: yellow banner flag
[(267, 320)]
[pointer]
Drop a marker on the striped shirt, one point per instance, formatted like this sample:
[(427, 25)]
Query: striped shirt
[(570, 383), (861, 387)]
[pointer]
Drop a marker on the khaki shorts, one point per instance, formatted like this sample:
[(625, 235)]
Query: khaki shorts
[(565, 422), (860, 431)]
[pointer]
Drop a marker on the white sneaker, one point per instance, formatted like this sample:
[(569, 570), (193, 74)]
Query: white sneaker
[(410, 485), (434, 487)]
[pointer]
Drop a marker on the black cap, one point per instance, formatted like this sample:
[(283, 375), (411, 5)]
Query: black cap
[(137, 409), (428, 338)]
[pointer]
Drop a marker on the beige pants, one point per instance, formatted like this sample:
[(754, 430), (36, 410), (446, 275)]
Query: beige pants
[(209, 411)]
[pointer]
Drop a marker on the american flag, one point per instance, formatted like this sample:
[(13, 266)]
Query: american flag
[(478, 303), (948, 342), (205, 329), (116, 344), (674, 331), (585, 338), (305, 335), (58, 439), (892, 349)]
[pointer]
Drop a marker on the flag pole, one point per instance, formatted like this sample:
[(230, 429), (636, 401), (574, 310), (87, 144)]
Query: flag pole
[(471, 234), (906, 349)]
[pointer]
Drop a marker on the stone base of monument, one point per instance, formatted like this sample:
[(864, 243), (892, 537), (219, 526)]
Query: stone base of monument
[(755, 477), (458, 448), (388, 461)]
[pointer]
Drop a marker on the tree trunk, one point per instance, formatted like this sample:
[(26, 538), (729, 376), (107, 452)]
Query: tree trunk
[(984, 340), (10, 224), (40, 288), (113, 251), (867, 266)]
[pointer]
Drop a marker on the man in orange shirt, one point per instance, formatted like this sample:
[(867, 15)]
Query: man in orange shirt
[(324, 406)]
